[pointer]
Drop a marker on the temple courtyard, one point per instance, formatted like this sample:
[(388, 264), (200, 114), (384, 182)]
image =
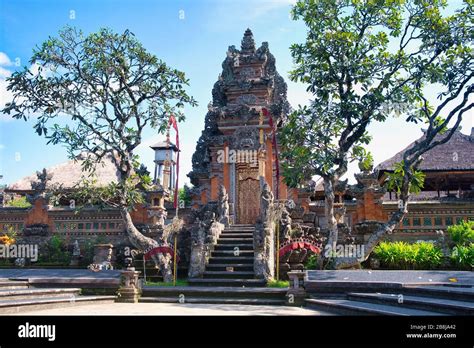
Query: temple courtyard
[(166, 309), (343, 292)]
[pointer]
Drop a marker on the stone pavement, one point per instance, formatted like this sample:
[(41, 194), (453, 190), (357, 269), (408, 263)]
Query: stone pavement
[(27, 273), (387, 276), (167, 309)]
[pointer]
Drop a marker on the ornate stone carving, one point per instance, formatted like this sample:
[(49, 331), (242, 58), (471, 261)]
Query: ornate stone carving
[(264, 237), (36, 230), (266, 203), (223, 207), (158, 217), (39, 186), (247, 80), (245, 138), (204, 235), (247, 99), (248, 43)]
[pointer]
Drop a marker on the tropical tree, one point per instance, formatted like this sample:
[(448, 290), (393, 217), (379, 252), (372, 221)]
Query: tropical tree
[(96, 94), (362, 59)]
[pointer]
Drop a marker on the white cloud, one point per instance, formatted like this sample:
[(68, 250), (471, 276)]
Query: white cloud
[(4, 60), (5, 95)]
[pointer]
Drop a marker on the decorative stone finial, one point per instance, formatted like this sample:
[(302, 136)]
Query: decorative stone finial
[(248, 43)]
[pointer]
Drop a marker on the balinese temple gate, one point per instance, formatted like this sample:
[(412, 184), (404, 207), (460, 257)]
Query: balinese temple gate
[(237, 146)]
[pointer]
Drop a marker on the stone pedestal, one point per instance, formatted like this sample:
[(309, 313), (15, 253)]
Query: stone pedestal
[(129, 291), (296, 294)]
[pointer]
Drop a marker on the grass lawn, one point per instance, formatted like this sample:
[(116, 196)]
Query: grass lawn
[(179, 282), (278, 284)]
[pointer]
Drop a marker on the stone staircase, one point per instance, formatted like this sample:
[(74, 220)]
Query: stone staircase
[(18, 296), (214, 295), (409, 300), (231, 262), (228, 279)]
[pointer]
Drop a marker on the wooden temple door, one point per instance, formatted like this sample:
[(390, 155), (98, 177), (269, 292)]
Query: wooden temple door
[(248, 195)]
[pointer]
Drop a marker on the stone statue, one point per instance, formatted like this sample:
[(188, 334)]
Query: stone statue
[(264, 237), (76, 250), (285, 224), (39, 186), (223, 207), (43, 178), (204, 235), (266, 202), (158, 216), (76, 254)]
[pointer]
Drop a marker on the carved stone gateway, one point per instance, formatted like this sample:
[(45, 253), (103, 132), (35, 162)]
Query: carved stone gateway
[(235, 122)]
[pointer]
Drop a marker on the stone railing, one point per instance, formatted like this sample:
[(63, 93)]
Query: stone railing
[(204, 237)]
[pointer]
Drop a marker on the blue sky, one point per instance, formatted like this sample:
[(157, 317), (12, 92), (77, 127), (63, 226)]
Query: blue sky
[(196, 45)]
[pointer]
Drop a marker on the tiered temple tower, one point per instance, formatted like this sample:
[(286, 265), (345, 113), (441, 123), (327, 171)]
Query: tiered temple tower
[(235, 148)]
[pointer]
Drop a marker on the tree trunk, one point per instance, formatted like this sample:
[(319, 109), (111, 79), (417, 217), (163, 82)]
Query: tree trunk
[(386, 228), (329, 212), (143, 243)]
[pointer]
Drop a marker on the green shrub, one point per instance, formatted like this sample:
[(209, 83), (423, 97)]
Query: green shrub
[(462, 233), (462, 256), (55, 251), (401, 255), (18, 202), (312, 262), (278, 284)]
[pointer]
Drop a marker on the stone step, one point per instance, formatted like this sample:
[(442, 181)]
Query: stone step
[(82, 283), (228, 275), (216, 291), (235, 235), (215, 300), (231, 259), (31, 293), (453, 307), (350, 307), (248, 241), (228, 282), (232, 253), (233, 246), (8, 284), (240, 267), (461, 293), (244, 229), (19, 306)]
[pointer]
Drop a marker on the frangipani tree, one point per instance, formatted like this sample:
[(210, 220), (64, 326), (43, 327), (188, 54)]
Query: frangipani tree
[(361, 58), (96, 94)]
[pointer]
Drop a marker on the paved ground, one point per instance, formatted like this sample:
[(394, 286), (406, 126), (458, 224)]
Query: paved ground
[(56, 273), (166, 309), (405, 277)]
